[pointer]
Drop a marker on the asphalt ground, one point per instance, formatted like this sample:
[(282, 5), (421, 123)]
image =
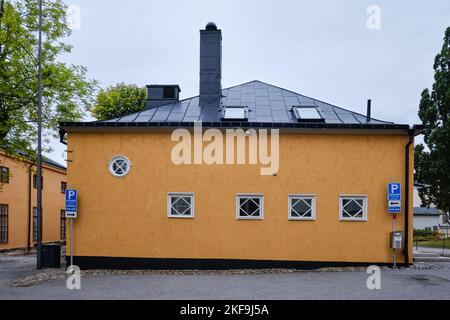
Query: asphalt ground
[(424, 281)]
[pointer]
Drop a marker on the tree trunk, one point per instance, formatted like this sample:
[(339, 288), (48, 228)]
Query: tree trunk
[(2, 10), (4, 126)]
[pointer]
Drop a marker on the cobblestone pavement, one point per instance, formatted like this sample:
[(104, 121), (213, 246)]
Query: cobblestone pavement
[(19, 280)]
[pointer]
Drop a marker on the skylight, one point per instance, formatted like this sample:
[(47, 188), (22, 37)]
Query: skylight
[(307, 113), (235, 113)]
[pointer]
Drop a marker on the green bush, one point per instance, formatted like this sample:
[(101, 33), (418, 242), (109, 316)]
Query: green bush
[(425, 235)]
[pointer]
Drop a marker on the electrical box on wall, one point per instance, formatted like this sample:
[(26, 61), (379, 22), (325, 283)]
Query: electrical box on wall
[(397, 240)]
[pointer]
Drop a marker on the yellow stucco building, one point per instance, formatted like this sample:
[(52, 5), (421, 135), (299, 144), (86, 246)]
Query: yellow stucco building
[(18, 213), (301, 183)]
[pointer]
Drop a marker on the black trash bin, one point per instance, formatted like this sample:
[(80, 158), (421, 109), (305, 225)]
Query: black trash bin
[(51, 255)]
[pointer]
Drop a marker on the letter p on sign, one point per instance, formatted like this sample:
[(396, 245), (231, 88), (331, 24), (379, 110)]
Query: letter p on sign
[(394, 188)]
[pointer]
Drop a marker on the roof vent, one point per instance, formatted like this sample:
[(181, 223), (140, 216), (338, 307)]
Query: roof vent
[(369, 109), (159, 94)]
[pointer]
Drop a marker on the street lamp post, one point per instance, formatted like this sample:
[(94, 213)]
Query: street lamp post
[(39, 146)]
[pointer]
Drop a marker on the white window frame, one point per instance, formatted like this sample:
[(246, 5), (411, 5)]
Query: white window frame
[(302, 196), (111, 162), (250, 195), (312, 113), (299, 112), (243, 118), (365, 199), (180, 194)]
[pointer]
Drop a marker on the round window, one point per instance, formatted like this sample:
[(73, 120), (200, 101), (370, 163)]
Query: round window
[(119, 166)]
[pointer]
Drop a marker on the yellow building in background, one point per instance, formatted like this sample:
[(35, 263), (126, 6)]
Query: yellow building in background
[(144, 202), (18, 215)]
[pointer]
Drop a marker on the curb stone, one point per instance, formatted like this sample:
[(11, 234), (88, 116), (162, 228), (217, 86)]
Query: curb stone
[(60, 274)]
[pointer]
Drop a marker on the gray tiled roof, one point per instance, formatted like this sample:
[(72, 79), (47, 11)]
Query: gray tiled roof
[(54, 163), (44, 160), (420, 211), (266, 104)]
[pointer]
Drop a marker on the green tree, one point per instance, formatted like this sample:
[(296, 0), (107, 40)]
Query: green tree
[(119, 100), (433, 166), (67, 93), (421, 164)]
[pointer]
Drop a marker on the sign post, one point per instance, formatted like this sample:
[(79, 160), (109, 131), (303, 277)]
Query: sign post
[(71, 213), (394, 206)]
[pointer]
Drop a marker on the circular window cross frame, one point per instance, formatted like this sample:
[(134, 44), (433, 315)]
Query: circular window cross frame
[(116, 166)]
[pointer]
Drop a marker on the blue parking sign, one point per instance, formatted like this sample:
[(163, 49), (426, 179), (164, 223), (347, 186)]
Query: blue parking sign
[(71, 203), (394, 191), (394, 197)]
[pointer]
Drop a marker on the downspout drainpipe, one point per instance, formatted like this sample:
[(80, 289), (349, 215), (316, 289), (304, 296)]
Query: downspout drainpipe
[(29, 208), (411, 134)]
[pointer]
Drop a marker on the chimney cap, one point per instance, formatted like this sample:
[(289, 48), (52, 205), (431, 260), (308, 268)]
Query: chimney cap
[(163, 86), (211, 26)]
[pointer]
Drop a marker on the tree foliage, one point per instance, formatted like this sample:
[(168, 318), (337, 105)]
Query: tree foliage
[(433, 166), (67, 92), (119, 100)]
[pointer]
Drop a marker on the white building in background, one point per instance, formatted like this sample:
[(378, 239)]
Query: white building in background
[(430, 218), (427, 218)]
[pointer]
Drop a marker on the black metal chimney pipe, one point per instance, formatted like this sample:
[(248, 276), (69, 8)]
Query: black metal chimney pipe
[(369, 110), (210, 65)]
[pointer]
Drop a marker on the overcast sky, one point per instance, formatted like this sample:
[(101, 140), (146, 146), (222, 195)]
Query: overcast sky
[(322, 49)]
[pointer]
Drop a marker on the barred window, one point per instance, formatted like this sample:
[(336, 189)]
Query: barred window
[(3, 223), (4, 174), (119, 166), (180, 205), (249, 206), (63, 224), (353, 208), (302, 207)]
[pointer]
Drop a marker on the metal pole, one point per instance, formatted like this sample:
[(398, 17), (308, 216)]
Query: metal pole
[(445, 237), (443, 245), (394, 256), (39, 147), (71, 241)]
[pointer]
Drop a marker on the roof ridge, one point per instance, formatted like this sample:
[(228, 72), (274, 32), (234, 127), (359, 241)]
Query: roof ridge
[(333, 107)]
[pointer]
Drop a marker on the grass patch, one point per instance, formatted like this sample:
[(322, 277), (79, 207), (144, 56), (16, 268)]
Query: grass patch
[(434, 243)]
